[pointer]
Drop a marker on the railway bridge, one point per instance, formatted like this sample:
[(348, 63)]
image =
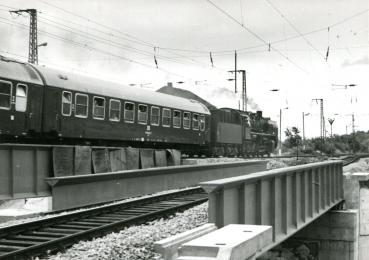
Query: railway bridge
[(256, 212)]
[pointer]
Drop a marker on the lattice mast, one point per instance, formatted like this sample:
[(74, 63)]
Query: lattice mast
[(32, 48)]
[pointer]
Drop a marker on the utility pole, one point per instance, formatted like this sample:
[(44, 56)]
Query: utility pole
[(322, 124), (353, 133), (303, 128), (353, 123), (280, 132), (235, 69), (244, 93), (32, 48)]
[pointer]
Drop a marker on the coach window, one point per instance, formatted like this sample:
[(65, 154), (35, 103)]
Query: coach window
[(66, 103), (202, 123), (155, 115), (81, 105), (99, 108), (129, 112), (5, 94), (166, 117), (195, 122), (142, 114), (176, 119), (186, 120), (114, 112), (21, 98)]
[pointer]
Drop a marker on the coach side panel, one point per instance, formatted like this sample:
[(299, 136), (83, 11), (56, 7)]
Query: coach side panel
[(20, 108), (72, 114)]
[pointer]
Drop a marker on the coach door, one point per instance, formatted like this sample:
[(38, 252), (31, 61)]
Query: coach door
[(20, 98), (6, 113)]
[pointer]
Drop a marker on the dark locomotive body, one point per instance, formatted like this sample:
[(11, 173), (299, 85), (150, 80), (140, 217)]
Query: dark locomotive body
[(43, 105), (239, 133)]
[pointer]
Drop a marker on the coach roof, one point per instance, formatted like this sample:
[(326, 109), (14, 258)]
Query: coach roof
[(15, 70), (77, 82)]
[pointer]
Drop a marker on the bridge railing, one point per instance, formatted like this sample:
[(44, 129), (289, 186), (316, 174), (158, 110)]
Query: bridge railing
[(287, 198)]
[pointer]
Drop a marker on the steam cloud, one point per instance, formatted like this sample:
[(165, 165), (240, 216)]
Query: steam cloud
[(252, 104)]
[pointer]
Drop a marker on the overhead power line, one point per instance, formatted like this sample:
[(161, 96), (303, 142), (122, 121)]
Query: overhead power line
[(176, 50), (214, 52), (256, 36), (116, 44), (294, 27), (231, 51), (86, 46), (129, 37), (206, 52)]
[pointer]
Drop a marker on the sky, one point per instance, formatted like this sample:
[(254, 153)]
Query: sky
[(282, 44)]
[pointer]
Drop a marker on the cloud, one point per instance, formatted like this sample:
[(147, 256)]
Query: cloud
[(362, 61)]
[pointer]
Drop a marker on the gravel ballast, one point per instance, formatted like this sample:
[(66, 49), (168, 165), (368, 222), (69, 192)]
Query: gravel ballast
[(136, 242)]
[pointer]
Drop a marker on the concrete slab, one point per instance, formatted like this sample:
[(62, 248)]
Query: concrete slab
[(232, 242), (19, 209), (168, 248)]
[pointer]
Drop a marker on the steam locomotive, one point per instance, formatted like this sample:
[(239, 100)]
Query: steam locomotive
[(45, 105)]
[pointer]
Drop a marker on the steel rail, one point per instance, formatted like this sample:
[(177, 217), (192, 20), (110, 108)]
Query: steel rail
[(26, 240)]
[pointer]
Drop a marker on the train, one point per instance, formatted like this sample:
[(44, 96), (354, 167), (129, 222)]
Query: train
[(49, 106)]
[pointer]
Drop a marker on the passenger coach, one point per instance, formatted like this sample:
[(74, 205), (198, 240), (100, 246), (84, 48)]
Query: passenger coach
[(49, 104)]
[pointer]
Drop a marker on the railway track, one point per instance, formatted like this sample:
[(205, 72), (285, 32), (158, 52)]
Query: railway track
[(27, 240), (353, 158)]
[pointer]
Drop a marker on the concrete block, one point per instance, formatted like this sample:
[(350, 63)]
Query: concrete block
[(363, 247), (101, 160), (160, 158), (147, 158), (339, 225), (168, 248), (338, 255), (364, 200), (344, 234), (82, 160), (232, 242), (351, 191), (324, 254), (336, 250), (339, 246), (343, 218), (63, 161), (118, 159), (364, 210)]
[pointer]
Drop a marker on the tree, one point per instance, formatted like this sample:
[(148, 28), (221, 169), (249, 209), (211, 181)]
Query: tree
[(293, 139)]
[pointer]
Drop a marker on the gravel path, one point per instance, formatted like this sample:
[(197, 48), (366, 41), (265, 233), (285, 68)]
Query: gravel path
[(136, 242)]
